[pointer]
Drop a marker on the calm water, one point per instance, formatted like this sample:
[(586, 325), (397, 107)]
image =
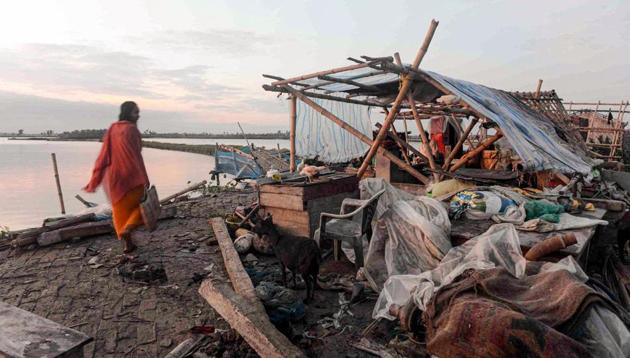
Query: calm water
[(267, 143), (28, 192)]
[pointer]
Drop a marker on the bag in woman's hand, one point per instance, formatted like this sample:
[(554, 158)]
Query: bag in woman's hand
[(150, 208)]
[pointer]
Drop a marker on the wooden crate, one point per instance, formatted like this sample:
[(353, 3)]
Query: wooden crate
[(296, 208)]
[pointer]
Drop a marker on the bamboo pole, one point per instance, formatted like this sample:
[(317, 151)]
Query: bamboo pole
[(595, 103), (321, 73), (349, 82), (403, 150), (402, 94), (488, 142), (183, 191), (399, 62), (423, 136), (54, 161), (537, 94), (617, 136), (459, 144), (400, 163), (293, 120), (323, 96)]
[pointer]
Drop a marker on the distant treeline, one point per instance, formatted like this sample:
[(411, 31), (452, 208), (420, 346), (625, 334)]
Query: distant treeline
[(98, 134)]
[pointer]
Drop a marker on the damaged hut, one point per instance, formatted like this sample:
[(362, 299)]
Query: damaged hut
[(496, 233)]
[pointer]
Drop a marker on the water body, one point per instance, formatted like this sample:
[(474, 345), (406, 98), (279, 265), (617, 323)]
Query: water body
[(259, 143), (28, 192)]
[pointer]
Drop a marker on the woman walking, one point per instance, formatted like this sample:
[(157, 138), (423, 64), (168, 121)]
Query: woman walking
[(120, 168)]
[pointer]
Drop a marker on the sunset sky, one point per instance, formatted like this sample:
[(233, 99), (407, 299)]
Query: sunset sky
[(196, 65)]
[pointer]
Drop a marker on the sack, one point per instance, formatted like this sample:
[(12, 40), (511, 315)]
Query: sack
[(150, 208)]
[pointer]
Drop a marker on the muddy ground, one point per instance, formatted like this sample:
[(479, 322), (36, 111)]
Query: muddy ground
[(152, 306)]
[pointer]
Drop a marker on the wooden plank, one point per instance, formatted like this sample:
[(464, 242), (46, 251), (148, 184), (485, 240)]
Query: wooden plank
[(288, 215), (24, 334), (284, 201), (80, 230), (344, 184), (274, 188), (252, 324), (233, 265)]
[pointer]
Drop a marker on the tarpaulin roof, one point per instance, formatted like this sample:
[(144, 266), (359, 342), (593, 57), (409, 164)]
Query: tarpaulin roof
[(540, 143), (531, 134)]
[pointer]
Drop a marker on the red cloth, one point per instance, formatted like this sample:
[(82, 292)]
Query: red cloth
[(119, 165)]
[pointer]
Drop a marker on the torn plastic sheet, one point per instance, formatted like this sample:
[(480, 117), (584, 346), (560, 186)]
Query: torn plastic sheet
[(608, 337), (410, 234), (497, 247)]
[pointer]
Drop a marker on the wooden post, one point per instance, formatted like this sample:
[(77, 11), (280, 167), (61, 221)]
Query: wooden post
[(292, 133), (216, 163), (402, 94), (488, 142), (400, 163), (540, 82), (459, 144), (54, 160)]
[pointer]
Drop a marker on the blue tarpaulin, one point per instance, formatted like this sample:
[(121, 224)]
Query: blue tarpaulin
[(531, 134)]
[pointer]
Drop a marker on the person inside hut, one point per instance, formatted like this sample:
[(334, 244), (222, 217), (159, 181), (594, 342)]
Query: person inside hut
[(120, 168)]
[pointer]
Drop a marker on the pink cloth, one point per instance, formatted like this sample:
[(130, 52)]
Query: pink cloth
[(119, 165)]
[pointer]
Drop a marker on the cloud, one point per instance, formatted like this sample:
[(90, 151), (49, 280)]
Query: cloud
[(35, 114), (88, 69), (225, 42)]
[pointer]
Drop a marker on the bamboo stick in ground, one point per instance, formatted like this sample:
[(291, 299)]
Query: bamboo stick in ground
[(292, 133), (54, 160), (402, 94)]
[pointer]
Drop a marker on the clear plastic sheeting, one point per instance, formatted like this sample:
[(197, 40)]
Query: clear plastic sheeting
[(319, 136), (497, 247), (608, 337), (410, 235), (531, 134)]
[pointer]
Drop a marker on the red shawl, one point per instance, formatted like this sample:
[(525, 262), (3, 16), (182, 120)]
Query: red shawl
[(119, 164)]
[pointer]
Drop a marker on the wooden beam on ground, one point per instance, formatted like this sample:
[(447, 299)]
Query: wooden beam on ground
[(365, 139), (80, 230), (402, 94), (239, 305), (233, 265), (292, 119), (251, 323)]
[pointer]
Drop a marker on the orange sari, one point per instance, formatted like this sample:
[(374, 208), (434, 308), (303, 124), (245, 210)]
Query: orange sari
[(126, 212), (120, 168)]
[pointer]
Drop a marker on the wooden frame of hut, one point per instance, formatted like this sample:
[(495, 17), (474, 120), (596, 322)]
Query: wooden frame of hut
[(405, 92)]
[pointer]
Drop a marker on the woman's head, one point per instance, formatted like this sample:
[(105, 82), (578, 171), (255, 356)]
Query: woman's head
[(129, 111)]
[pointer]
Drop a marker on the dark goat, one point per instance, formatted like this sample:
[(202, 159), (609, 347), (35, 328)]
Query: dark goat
[(298, 254)]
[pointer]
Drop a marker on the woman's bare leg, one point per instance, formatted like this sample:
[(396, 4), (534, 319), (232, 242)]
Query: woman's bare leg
[(128, 245)]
